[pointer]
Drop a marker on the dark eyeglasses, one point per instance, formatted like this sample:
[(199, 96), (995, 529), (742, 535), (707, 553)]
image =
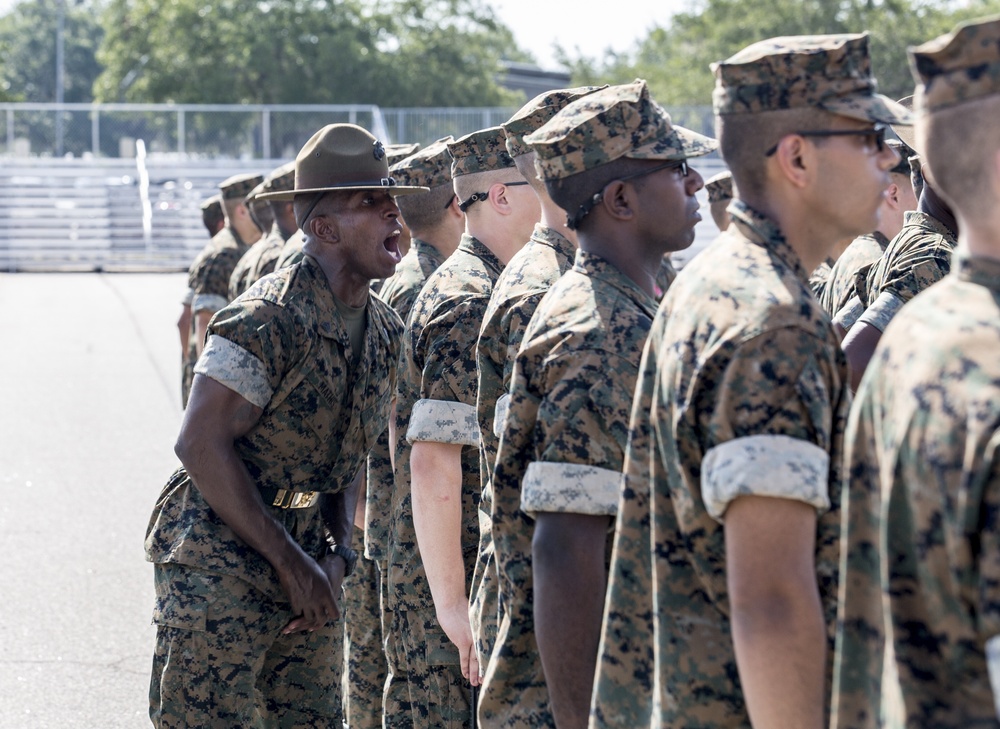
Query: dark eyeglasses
[(477, 196), (572, 221), (450, 201), (877, 133)]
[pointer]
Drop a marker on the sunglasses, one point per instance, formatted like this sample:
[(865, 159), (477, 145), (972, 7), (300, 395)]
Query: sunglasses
[(584, 210), (875, 133)]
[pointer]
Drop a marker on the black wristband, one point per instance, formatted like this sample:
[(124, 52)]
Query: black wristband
[(347, 554)]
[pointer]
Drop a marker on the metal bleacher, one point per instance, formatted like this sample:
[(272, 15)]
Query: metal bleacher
[(90, 215)]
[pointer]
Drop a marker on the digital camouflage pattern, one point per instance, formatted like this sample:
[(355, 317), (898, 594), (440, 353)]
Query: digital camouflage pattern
[(922, 508), (271, 680), (208, 280), (284, 347), (480, 151), (399, 291), (664, 277), (958, 67), (267, 260), (536, 112), (720, 187), (830, 72), (820, 277), (562, 450), (365, 666), (863, 251), (430, 696), (397, 152), (436, 401), (919, 256), (430, 167), (608, 124), (743, 389), (239, 186), (291, 252), (243, 273), (529, 274)]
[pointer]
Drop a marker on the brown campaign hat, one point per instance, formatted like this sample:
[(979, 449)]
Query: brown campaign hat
[(341, 157)]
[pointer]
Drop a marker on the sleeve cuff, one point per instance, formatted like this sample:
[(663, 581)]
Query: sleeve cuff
[(188, 297), (765, 465), (208, 302), (847, 316), (236, 368), (882, 310), (570, 488), (500, 414), (441, 421)]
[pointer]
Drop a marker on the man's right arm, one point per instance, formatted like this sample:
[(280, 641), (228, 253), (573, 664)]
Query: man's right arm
[(859, 346), (215, 417)]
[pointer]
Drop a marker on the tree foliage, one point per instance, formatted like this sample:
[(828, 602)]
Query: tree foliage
[(28, 51), (399, 53), (675, 59)]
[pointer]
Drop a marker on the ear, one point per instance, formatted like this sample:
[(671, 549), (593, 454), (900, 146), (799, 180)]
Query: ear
[(892, 196), (617, 200), (454, 210), (498, 199), (795, 160), (324, 228)]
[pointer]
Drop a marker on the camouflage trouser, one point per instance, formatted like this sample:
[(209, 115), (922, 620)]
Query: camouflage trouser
[(222, 661), (365, 666), (425, 689), (484, 604)]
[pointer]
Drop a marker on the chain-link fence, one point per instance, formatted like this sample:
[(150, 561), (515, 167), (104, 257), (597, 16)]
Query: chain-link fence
[(202, 131)]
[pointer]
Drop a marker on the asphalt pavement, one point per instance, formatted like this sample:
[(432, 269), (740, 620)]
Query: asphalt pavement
[(89, 410)]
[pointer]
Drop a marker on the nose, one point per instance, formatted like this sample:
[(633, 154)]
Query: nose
[(391, 210), (694, 181), (890, 157)]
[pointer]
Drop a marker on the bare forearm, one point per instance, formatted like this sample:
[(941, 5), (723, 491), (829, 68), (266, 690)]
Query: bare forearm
[(781, 655), (227, 488), (859, 345), (436, 490), (569, 584)]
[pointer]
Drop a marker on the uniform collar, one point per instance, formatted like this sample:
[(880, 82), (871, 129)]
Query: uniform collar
[(916, 218), (546, 236), (475, 247), (423, 249), (763, 231), (977, 270), (596, 267)]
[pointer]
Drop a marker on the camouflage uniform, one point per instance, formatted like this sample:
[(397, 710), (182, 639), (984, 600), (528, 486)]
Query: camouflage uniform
[(926, 486), (565, 439), (864, 251), (264, 255), (529, 274), (436, 401), (917, 257), (743, 390), (291, 252), (209, 274), (733, 375), (820, 277), (282, 347), (664, 277), (242, 276), (364, 657), (921, 558)]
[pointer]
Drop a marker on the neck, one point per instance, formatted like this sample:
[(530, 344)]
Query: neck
[(554, 217), (931, 204), (980, 238), (347, 285), (497, 239), (444, 242), (810, 241), (622, 252)]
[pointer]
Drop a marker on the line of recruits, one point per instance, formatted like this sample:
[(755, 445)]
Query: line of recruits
[(590, 491)]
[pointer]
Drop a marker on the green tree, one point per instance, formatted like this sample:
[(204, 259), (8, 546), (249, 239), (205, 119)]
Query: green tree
[(676, 59), (419, 52), (28, 50)]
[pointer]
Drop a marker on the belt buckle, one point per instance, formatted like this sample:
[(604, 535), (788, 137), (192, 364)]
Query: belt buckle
[(285, 499)]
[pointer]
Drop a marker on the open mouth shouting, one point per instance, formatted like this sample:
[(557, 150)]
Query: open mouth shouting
[(391, 245)]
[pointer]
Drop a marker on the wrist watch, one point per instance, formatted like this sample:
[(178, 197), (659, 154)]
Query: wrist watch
[(347, 554)]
